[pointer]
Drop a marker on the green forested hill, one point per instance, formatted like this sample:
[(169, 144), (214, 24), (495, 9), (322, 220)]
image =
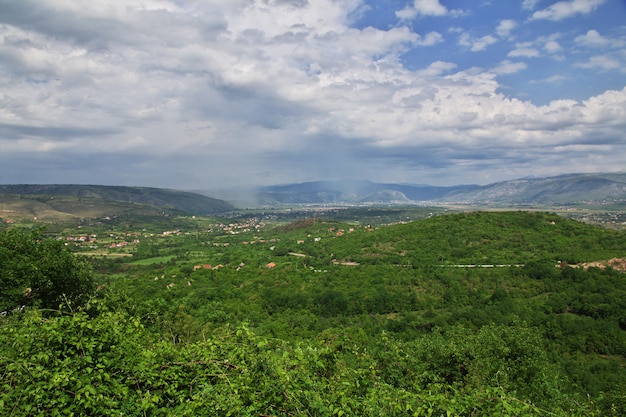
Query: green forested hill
[(474, 238), (491, 238), (320, 318)]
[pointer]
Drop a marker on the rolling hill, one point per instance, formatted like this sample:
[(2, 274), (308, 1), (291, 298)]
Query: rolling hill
[(73, 200)]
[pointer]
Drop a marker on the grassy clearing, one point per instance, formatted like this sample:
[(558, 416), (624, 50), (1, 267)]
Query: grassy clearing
[(104, 254), (152, 261)]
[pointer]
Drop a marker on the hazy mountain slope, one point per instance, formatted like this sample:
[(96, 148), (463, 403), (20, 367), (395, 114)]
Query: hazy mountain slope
[(157, 197), (323, 192), (563, 189), (569, 188)]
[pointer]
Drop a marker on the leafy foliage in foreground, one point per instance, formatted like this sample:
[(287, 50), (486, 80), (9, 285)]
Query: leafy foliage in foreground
[(74, 364), (41, 272)]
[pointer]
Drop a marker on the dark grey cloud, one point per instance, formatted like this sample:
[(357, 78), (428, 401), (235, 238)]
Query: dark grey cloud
[(9, 131), (68, 167), (55, 22), (294, 3)]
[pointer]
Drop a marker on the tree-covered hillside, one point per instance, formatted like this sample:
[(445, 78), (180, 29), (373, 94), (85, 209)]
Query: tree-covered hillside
[(490, 238), (465, 314)]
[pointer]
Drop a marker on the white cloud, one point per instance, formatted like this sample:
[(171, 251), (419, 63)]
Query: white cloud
[(593, 39), (547, 43), (477, 44), (552, 47), (429, 8), (529, 4), (523, 52), (437, 68), (603, 62), (408, 13), (553, 79), (566, 9), (508, 67), (426, 8), (482, 43), (430, 39), (505, 27)]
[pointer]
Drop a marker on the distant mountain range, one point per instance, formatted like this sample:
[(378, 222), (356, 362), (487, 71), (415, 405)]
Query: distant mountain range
[(563, 189), (328, 192), (183, 201)]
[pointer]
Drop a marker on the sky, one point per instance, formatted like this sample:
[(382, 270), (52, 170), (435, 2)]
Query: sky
[(200, 94)]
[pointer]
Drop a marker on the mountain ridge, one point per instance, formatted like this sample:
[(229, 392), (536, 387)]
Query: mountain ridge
[(557, 190), (184, 201), (560, 189)]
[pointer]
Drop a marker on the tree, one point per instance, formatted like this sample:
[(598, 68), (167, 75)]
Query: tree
[(40, 272)]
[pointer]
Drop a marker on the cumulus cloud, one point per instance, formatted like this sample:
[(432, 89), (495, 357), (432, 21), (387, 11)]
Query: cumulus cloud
[(523, 52), (505, 27), (508, 67), (566, 9), (426, 8), (477, 44), (552, 47), (601, 61), (593, 39), (184, 94), (529, 4), (430, 39), (548, 44), (408, 13), (429, 7)]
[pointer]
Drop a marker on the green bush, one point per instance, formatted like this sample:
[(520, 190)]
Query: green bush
[(40, 272)]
